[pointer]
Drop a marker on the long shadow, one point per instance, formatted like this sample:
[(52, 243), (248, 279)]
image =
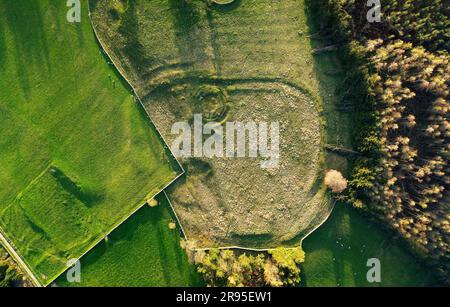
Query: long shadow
[(163, 255), (357, 238), (133, 49), (2, 44), (25, 22), (180, 257), (155, 216), (80, 33), (60, 6), (213, 37), (185, 18), (186, 22), (85, 196), (338, 126), (335, 128), (218, 59), (127, 230), (338, 253)]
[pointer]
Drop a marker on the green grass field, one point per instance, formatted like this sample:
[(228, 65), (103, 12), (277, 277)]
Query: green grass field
[(77, 153), (142, 252), (337, 254)]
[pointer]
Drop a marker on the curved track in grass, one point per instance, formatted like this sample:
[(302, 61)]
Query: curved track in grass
[(191, 53)]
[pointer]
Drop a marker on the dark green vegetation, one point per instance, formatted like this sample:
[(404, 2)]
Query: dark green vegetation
[(77, 153), (276, 268), (337, 254), (398, 73), (9, 276), (142, 252)]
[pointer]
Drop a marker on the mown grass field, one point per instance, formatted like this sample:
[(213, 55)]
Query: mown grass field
[(77, 153), (142, 252), (337, 254)]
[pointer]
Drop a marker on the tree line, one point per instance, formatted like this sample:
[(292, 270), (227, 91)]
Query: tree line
[(399, 76), (278, 267)]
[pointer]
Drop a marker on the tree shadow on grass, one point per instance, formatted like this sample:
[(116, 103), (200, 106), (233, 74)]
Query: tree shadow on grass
[(163, 255), (218, 60), (80, 33), (60, 6), (327, 71), (133, 49), (25, 22), (127, 230), (338, 252), (2, 45), (336, 130), (186, 17), (191, 29), (84, 195), (163, 248)]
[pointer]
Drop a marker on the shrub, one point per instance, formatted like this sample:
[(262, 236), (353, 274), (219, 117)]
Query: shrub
[(152, 203), (335, 181)]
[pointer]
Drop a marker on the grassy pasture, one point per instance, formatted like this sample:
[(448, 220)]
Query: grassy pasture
[(142, 252), (337, 254), (77, 153)]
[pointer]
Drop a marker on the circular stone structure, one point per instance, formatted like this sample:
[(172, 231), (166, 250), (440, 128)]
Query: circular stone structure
[(234, 201)]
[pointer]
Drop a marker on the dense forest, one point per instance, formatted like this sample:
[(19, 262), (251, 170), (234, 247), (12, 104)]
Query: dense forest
[(399, 73)]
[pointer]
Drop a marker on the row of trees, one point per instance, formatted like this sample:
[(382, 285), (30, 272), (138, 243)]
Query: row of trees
[(276, 268), (421, 22), (399, 75)]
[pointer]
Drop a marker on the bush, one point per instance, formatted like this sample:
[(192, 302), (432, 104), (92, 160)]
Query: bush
[(335, 181), (152, 203)]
